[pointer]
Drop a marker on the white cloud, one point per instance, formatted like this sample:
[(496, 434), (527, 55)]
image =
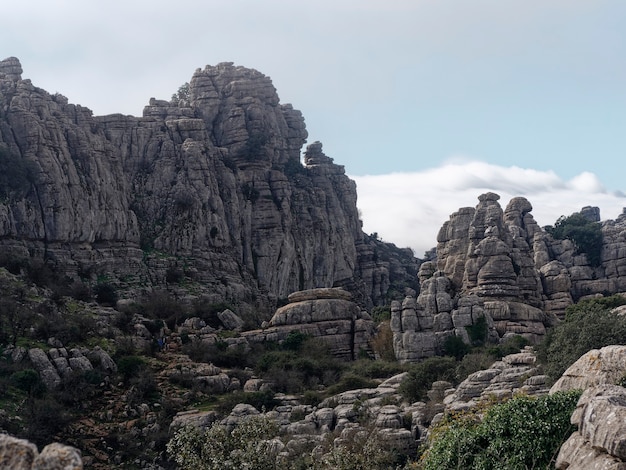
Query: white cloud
[(408, 209)]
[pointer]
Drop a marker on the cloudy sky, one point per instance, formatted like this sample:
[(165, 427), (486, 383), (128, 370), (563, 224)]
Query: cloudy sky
[(427, 103)]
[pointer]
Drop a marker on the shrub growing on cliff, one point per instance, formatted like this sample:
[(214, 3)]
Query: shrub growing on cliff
[(524, 432), (182, 94), (586, 235), (588, 325)]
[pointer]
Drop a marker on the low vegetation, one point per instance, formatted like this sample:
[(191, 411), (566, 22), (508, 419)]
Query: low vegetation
[(589, 324), (521, 433), (299, 365), (586, 235)]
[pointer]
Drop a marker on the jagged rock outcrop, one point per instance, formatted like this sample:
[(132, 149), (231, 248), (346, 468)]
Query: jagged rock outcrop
[(378, 414), (600, 441), (58, 364), (209, 186), (506, 255), (499, 267)]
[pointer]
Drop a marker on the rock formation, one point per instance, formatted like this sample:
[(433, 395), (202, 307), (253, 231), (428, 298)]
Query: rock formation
[(19, 454), (514, 374), (594, 368), (209, 186), (328, 314), (600, 441), (59, 364), (499, 268)]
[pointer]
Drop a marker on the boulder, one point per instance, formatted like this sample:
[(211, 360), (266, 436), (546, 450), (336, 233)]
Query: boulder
[(230, 320), (600, 442), (596, 367), (19, 454)]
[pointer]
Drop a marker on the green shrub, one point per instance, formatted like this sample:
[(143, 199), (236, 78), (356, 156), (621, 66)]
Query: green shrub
[(454, 346), (129, 366), (162, 305), (473, 362), (350, 382), (586, 235), (27, 380), (588, 325), (260, 400), (105, 294), (246, 446), (380, 314), (510, 346), (477, 332), (208, 311), (422, 375), (522, 433), (182, 94), (294, 341), (218, 353), (295, 371), (362, 450), (376, 369), (44, 418)]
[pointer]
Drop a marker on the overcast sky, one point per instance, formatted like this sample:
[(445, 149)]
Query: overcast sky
[(427, 103)]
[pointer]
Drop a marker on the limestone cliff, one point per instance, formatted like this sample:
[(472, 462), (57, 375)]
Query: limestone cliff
[(498, 273), (208, 185)]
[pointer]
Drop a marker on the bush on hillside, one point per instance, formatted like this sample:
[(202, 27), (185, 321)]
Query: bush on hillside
[(588, 325), (422, 375), (524, 432), (246, 446), (586, 235), (299, 364)]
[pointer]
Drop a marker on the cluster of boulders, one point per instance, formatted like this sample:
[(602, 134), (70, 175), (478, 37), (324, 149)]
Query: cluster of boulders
[(19, 454), (329, 314), (514, 374), (59, 363), (378, 410), (381, 412)]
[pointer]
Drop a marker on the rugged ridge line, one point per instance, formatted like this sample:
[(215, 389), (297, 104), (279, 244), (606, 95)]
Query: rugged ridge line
[(209, 184)]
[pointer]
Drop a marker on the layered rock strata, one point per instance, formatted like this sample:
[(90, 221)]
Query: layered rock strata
[(600, 415), (497, 270), (209, 184), (328, 314)]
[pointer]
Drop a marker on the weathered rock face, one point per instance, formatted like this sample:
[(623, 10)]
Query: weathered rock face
[(500, 267), (507, 256), (514, 374), (59, 364), (600, 414), (594, 368), (328, 314), (210, 184), (601, 420)]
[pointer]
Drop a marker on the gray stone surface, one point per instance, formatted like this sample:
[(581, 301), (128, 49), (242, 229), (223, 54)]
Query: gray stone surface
[(213, 182)]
